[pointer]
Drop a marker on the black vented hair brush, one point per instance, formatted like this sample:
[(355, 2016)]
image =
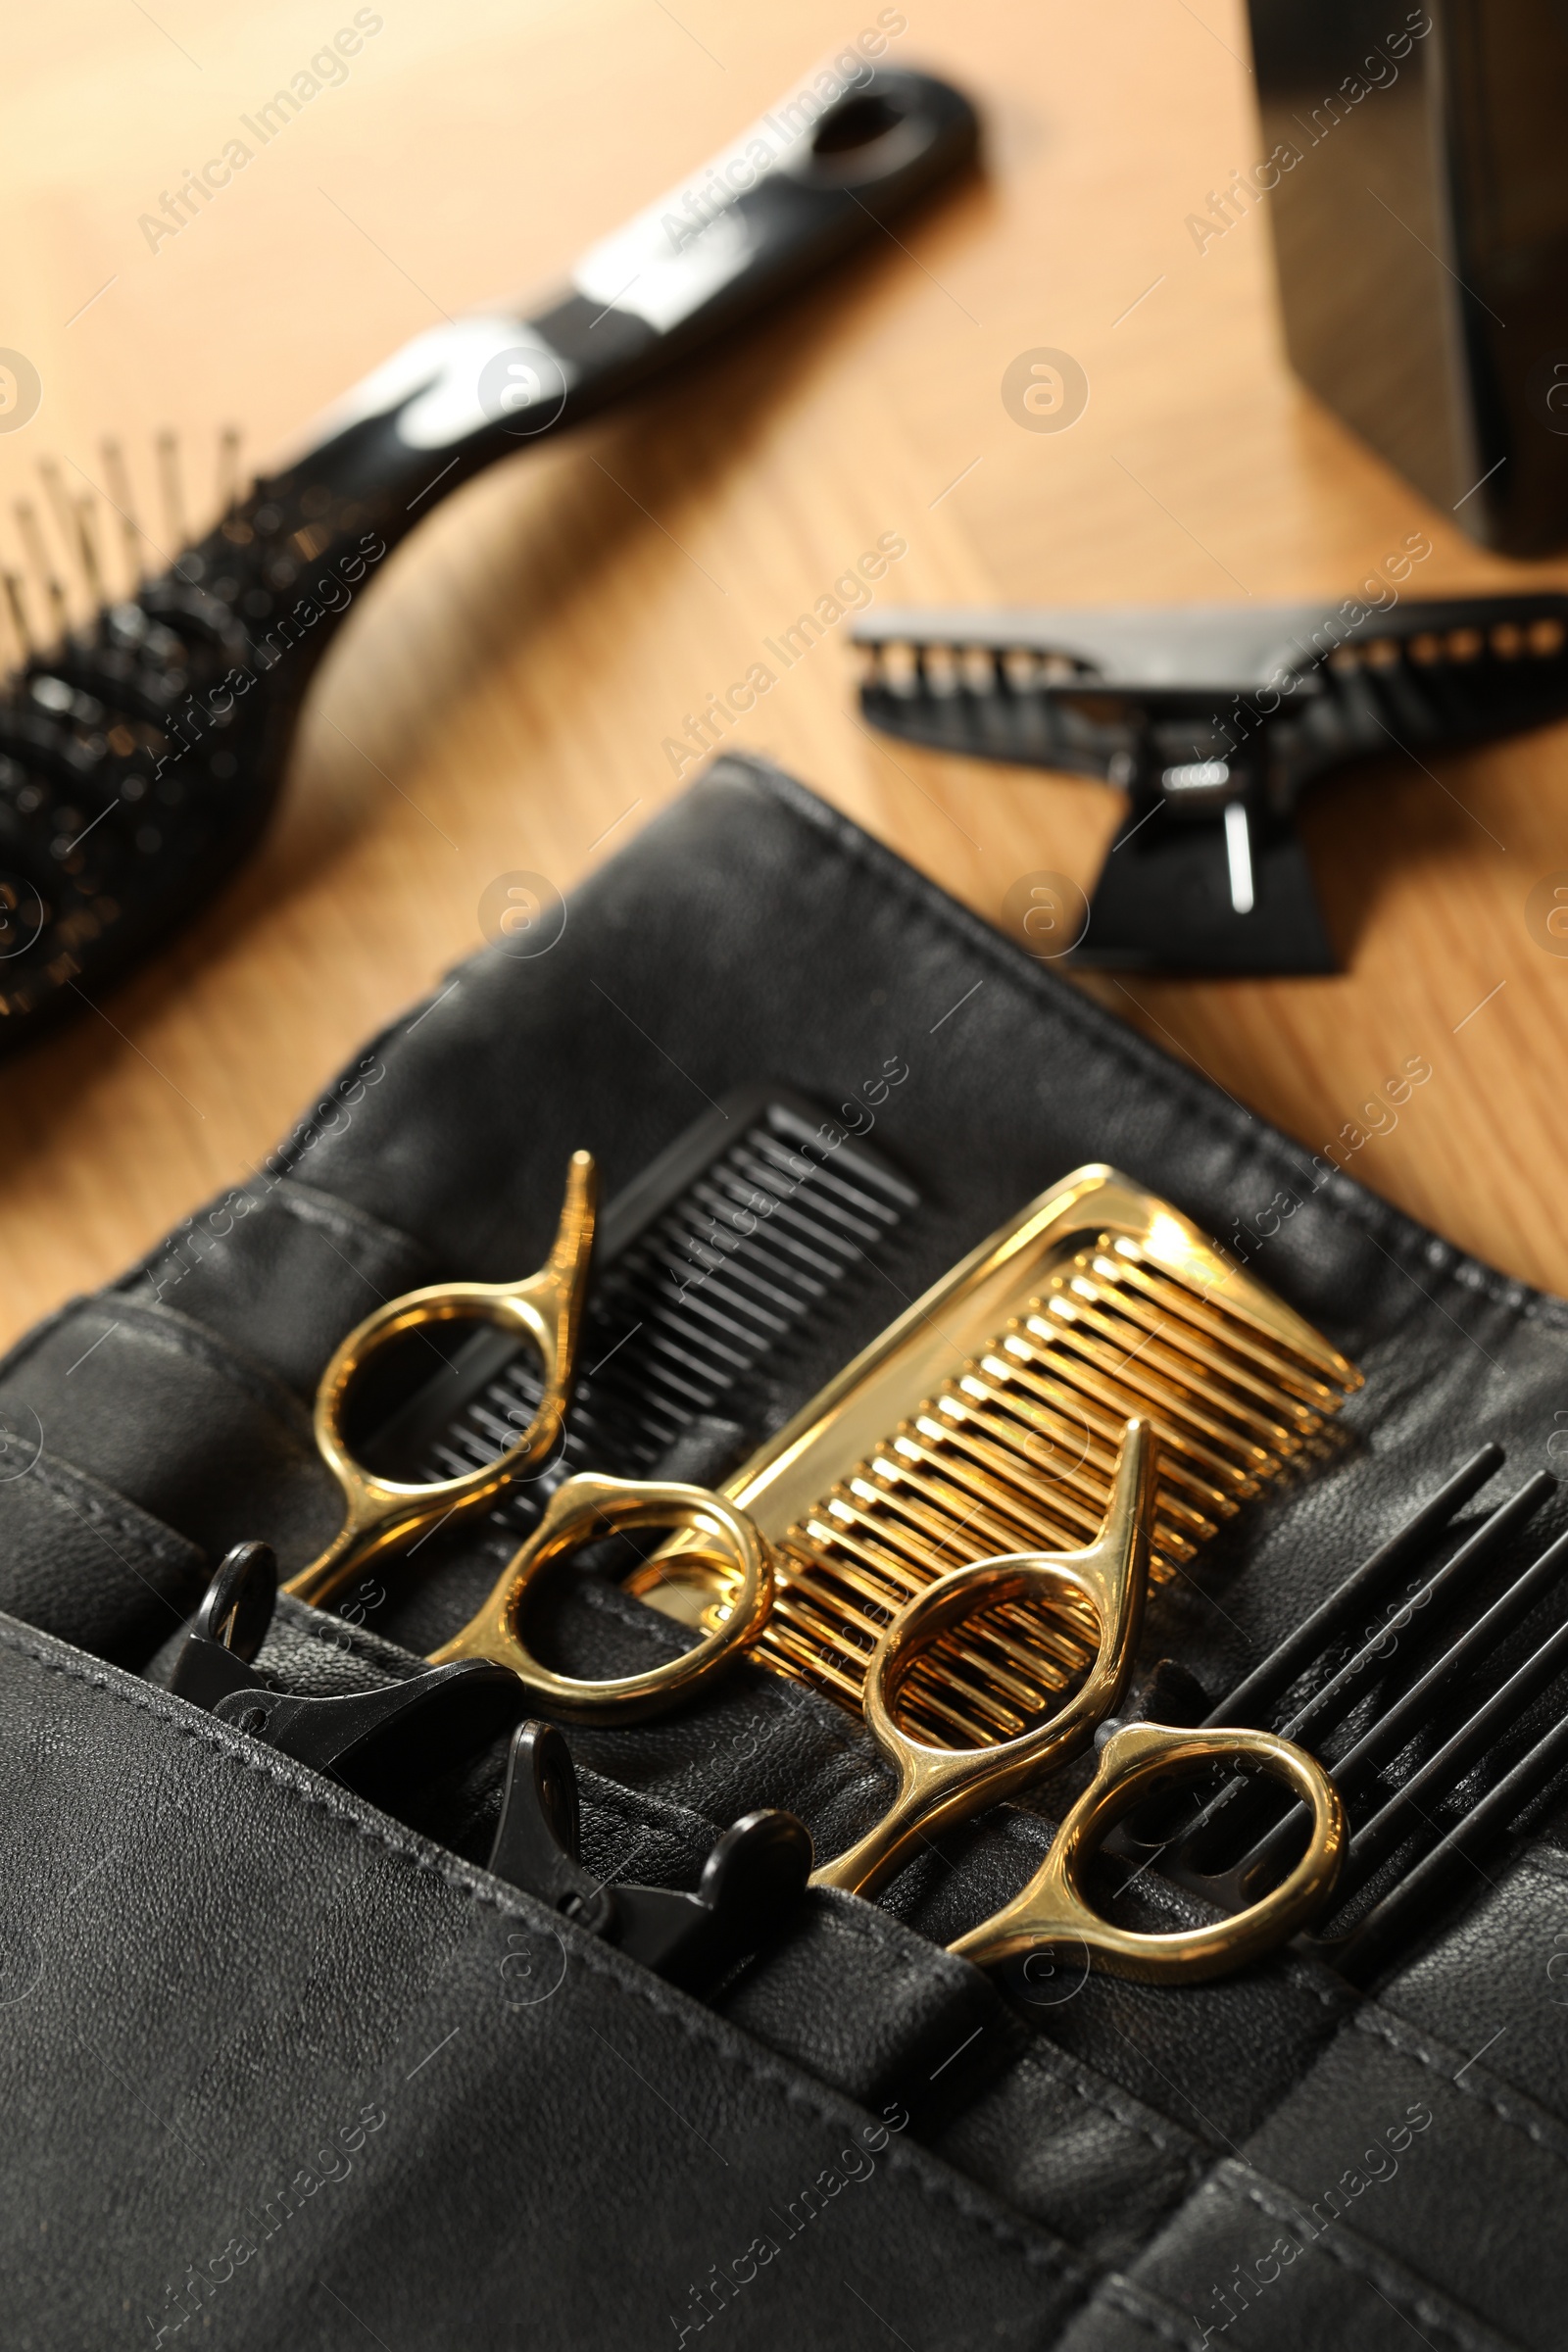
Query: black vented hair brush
[(140, 753)]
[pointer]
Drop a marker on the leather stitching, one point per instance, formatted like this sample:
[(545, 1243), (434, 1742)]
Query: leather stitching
[(1061, 2069), (371, 1235), (1402, 2288), (1545, 2132), (606, 1601), (162, 1325), (369, 1238), (1343, 1198), (67, 1491), (1134, 2302), (863, 1923), (28, 1345), (694, 2023)]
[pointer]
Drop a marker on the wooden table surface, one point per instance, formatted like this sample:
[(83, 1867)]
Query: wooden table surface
[(503, 700)]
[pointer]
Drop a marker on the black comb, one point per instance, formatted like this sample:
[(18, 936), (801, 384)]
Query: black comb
[(1433, 1758), (142, 746), (709, 1266), (1214, 722)]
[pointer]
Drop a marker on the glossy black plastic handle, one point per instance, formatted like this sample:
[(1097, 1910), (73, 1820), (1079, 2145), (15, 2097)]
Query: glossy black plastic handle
[(794, 191)]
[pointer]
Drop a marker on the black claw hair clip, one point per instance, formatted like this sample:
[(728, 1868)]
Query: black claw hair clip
[(145, 736), (382, 1743), (752, 1879), (1214, 722), (386, 1744)]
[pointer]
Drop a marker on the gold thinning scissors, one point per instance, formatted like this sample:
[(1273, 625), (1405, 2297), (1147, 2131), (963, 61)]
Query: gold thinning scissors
[(938, 1786), (545, 1311)]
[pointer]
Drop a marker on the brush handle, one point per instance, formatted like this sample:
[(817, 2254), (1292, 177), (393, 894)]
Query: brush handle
[(140, 757), (790, 195)]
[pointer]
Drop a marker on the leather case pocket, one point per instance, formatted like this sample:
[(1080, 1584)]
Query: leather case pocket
[(229, 1951), (277, 2069)]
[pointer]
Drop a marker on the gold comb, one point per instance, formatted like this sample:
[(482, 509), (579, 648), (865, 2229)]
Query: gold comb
[(987, 1420)]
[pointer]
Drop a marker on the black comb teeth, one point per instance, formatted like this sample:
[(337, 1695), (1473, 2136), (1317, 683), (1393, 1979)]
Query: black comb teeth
[(1424, 1728), (727, 1251)]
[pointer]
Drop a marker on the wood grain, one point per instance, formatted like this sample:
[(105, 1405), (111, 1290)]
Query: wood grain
[(504, 698)]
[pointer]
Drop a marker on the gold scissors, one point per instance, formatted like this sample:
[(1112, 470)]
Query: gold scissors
[(382, 1514), (1054, 1913), (938, 1786), (545, 1309), (1105, 1583), (1108, 1581)]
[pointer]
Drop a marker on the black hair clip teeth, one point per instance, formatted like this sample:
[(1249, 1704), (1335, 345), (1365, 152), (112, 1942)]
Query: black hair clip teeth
[(386, 1744), (1214, 722)]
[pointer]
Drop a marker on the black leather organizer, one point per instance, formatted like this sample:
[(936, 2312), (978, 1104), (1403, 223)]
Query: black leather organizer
[(279, 2069)]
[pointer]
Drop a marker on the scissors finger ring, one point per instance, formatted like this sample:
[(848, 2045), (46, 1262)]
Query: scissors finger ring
[(545, 1311), (1053, 1910), (938, 1785), (588, 1507)]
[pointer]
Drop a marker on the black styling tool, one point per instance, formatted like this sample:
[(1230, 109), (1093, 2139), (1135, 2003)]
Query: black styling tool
[(1426, 1694), (382, 1743), (141, 752), (752, 1879), (388, 1744), (1213, 723), (727, 1251)]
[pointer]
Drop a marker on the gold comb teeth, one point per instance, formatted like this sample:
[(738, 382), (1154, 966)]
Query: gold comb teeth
[(986, 1421)]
